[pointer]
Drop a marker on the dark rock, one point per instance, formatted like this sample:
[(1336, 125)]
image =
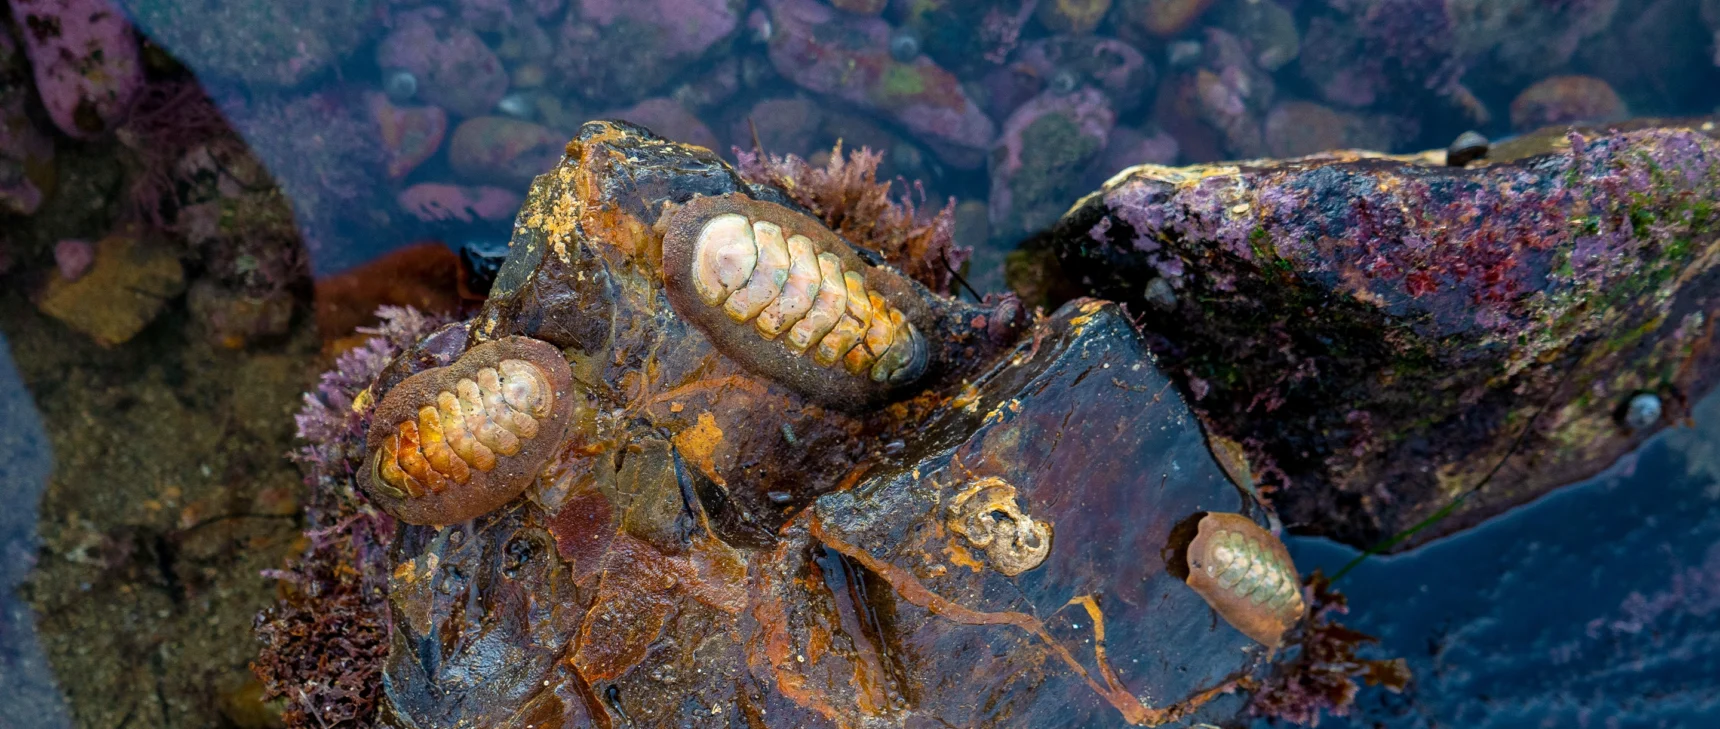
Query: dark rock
[(1387, 336)]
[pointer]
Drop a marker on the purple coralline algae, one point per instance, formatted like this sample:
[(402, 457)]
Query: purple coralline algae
[(1385, 336), (86, 61), (26, 153), (848, 57), (454, 67)]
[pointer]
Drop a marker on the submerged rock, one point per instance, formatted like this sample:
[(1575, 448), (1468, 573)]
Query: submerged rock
[(1389, 335), (85, 56), (994, 534), (130, 281)]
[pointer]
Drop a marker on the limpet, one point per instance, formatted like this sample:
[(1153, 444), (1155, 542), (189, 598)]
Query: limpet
[(780, 293), (1246, 575), (987, 514), (452, 443)]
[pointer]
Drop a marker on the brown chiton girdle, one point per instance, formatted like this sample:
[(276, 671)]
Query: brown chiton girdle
[(1246, 575), (452, 443), (777, 291)]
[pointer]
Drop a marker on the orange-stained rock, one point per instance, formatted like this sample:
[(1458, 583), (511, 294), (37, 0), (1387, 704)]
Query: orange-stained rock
[(422, 275), (1565, 100)]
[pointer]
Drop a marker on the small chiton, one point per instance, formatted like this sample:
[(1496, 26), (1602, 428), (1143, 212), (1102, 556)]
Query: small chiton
[(780, 293), (452, 443), (1246, 575)]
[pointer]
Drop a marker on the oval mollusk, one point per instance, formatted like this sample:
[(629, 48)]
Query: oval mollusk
[(453, 442), (774, 272), (1246, 575)]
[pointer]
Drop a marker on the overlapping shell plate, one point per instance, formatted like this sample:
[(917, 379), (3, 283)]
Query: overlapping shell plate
[(1246, 575), (454, 442), (782, 283), (779, 292)]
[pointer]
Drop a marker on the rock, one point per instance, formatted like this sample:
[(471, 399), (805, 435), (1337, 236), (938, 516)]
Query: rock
[(410, 134), (1128, 147), (1075, 17), (619, 51), (1230, 95), (132, 278), (784, 126), (503, 151), (1163, 18), (1566, 100), (1266, 27), (233, 319), (920, 95), (85, 57), (1298, 128), (433, 201), (764, 554), (860, 7), (26, 153), (258, 42), (669, 120), (454, 68), (1039, 159), (1108, 64), (421, 275), (1385, 333)]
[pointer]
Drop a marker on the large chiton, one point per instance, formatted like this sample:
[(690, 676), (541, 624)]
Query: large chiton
[(455, 442), (1246, 575), (780, 293)]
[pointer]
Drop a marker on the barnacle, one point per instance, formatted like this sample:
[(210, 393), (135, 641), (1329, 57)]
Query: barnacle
[(1246, 575), (454, 442), (987, 515), (780, 292)]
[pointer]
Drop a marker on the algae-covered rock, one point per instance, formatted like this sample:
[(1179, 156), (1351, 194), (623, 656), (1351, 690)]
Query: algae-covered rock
[(132, 278), (1389, 335), (714, 540)]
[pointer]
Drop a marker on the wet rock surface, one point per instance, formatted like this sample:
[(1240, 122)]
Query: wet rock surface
[(1384, 336), (712, 546)]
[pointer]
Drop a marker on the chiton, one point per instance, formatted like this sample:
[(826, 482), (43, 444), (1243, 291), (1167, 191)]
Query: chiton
[(780, 293), (455, 442), (1246, 575)]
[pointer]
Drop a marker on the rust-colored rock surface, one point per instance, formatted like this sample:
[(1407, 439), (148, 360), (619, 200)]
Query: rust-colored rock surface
[(992, 546), (1392, 337)]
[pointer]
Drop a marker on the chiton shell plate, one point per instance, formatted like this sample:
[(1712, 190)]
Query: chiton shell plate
[(778, 292), (452, 443), (1246, 575)]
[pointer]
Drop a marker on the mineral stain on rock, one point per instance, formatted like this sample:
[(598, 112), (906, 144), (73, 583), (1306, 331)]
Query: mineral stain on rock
[(712, 542)]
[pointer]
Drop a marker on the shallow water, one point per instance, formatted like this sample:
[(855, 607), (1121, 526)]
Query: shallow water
[(145, 488)]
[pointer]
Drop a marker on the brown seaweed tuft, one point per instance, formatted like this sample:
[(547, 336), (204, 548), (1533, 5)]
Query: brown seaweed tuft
[(1321, 674), (847, 195), (324, 644), (325, 640)]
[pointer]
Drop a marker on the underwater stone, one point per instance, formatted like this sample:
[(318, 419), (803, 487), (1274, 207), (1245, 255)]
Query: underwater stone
[(86, 60), (1383, 333), (132, 278), (706, 537)]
